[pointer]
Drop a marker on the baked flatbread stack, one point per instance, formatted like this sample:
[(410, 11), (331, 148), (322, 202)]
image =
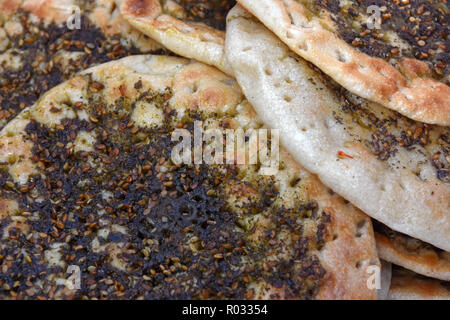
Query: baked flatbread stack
[(88, 180), (43, 43), (192, 29)]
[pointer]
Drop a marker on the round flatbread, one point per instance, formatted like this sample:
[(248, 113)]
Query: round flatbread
[(87, 183), (42, 46), (392, 168), (401, 63), (192, 29)]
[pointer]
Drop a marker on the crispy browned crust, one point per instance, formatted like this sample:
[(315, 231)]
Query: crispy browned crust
[(409, 286), (47, 10), (415, 95), (8, 8), (352, 246), (424, 260), (188, 39)]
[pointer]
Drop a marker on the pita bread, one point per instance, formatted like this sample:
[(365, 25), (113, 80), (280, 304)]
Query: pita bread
[(412, 254), (408, 286), (87, 180), (402, 65), (39, 51), (192, 29), (363, 151)]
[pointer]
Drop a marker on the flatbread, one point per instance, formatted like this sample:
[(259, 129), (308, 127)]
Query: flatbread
[(192, 29), (409, 286), (403, 65), (412, 254), (87, 180), (39, 51), (103, 14), (392, 168)]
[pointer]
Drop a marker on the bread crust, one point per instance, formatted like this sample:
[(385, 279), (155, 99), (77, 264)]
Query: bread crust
[(409, 286), (417, 97), (425, 261), (349, 245), (290, 96), (191, 40), (102, 13)]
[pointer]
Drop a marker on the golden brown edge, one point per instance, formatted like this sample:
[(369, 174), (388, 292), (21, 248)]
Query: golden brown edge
[(48, 10), (433, 205), (105, 16), (426, 262), (417, 97), (191, 40)]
